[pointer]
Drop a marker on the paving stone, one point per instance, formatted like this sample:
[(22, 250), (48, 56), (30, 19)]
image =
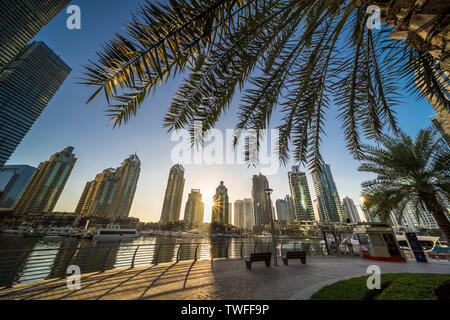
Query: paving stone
[(211, 280)]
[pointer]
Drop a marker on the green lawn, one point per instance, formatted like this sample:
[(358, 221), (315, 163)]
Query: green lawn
[(394, 286)]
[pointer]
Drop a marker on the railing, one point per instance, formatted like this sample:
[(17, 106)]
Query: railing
[(431, 256), (23, 266)]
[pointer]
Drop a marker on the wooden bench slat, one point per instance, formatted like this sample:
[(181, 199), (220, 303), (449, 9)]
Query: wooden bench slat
[(294, 255), (258, 256)]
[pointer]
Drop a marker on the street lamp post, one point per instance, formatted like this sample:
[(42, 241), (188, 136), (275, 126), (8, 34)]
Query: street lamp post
[(269, 192)]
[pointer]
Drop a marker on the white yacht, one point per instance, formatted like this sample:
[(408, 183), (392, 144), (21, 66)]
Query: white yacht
[(114, 232), (148, 233), (53, 232), (193, 234), (217, 234), (167, 233), (265, 234)]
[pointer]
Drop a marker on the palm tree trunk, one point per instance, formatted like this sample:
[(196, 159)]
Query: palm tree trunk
[(420, 23), (437, 211)]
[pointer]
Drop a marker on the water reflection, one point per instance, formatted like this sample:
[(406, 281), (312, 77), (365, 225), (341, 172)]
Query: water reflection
[(94, 255), (166, 249), (218, 248), (12, 264), (63, 258)]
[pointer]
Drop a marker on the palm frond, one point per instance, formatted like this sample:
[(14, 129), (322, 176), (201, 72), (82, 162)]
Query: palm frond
[(409, 172), (297, 57)]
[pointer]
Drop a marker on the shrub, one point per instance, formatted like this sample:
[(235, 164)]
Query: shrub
[(394, 286)]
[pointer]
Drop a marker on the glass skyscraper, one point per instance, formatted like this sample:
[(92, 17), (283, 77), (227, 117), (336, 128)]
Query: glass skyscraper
[(239, 214), (248, 215), (282, 211), (20, 21), (441, 120), (174, 194), (43, 191), (329, 204), (414, 218), (111, 193), (261, 204), (27, 84), (98, 195), (350, 210), (298, 184), (195, 208), (13, 181), (220, 210), (291, 214), (129, 172)]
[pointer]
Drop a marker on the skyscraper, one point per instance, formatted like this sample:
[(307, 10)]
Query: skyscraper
[(414, 218), (27, 84), (316, 209), (441, 120), (330, 208), (239, 214), (282, 211), (98, 195), (129, 173), (21, 20), (291, 215), (43, 191), (13, 181), (174, 193), (220, 209), (446, 205), (248, 215), (370, 216), (350, 210), (300, 194), (195, 208), (261, 203), (111, 193)]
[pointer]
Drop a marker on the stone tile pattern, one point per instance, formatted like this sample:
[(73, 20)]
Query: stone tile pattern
[(213, 280)]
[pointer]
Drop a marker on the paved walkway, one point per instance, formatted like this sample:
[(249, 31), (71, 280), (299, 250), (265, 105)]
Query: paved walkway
[(220, 279)]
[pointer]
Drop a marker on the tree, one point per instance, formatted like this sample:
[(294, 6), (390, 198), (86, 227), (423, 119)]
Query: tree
[(409, 172), (287, 54)]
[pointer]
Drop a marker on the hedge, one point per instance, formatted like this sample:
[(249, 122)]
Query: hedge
[(394, 286)]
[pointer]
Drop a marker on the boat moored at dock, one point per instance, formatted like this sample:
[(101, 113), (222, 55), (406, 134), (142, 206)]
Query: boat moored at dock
[(115, 232)]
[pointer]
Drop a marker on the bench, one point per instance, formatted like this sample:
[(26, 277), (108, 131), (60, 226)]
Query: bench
[(439, 255), (260, 256), (294, 255)]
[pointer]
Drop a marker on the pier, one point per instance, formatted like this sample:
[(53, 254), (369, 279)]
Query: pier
[(213, 279)]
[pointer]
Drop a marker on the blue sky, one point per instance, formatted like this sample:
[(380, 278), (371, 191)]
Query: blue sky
[(69, 121)]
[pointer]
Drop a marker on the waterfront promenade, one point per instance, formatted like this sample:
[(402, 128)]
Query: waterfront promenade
[(217, 279)]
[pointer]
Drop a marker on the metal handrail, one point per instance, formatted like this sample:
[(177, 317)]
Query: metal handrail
[(19, 266), (89, 247), (134, 256), (196, 250)]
